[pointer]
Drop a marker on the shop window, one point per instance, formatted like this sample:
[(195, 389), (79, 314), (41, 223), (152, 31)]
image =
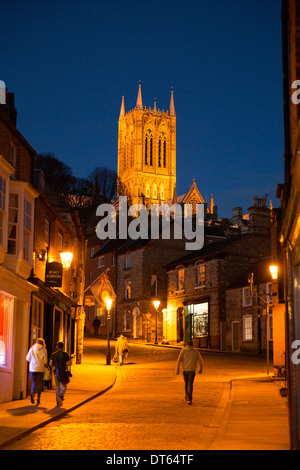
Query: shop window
[(6, 304), (200, 320)]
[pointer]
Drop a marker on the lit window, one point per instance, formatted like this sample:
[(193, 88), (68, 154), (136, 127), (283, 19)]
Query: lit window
[(181, 279), (127, 289), (201, 274), (247, 328)]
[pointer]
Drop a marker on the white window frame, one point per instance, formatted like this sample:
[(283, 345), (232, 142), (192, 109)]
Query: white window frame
[(247, 328), (101, 262)]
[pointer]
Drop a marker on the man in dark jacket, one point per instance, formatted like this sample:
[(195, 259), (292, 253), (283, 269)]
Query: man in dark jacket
[(189, 358), (60, 360)]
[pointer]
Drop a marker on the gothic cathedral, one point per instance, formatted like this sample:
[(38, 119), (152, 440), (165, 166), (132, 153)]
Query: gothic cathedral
[(147, 153)]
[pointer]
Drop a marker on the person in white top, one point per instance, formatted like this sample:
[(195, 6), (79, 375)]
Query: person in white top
[(37, 357), (122, 349)]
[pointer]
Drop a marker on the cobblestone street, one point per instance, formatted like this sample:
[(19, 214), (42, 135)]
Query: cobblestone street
[(146, 408)]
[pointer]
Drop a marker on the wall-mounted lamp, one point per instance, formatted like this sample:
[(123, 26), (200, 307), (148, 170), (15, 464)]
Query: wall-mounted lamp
[(41, 255), (66, 257)]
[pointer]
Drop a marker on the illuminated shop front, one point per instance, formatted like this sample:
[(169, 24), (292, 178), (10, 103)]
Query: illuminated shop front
[(197, 323)]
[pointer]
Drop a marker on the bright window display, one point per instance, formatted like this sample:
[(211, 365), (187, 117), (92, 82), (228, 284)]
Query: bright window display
[(5, 309)]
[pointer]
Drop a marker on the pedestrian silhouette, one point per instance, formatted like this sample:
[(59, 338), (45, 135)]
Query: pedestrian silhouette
[(122, 349), (188, 359), (60, 360), (37, 357), (96, 324)]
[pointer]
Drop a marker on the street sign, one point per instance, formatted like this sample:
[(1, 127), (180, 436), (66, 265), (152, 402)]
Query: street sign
[(89, 301)]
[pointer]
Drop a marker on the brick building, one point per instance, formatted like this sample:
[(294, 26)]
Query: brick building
[(29, 230), (197, 282), (17, 206), (246, 314)]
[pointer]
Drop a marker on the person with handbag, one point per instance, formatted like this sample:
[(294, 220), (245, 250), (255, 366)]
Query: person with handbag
[(37, 357), (60, 360), (122, 349)]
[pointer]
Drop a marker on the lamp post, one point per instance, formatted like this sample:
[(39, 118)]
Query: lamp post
[(274, 274), (156, 304), (108, 308)]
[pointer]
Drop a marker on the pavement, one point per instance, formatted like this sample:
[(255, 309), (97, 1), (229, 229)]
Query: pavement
[(251, 413)]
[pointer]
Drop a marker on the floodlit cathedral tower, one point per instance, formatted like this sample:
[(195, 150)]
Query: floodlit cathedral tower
[(147, 152)]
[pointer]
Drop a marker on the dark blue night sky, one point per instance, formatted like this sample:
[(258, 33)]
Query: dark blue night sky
[(69, 62)]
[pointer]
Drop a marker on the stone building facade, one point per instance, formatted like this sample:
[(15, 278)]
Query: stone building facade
[(197, 284)]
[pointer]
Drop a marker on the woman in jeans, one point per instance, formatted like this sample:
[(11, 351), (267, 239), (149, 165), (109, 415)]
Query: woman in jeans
[(37, 357)]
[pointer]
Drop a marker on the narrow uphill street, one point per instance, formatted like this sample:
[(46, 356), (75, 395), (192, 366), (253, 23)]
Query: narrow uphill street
[(146, 410)]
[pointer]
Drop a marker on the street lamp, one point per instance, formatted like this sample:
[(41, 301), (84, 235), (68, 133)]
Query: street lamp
[(274, 272), (108, 309), (156, 304)]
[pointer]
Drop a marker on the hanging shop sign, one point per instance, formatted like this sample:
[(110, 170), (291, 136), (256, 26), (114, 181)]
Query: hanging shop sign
[(53, 276)]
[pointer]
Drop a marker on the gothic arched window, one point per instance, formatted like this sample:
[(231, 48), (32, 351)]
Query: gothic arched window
[(151, 150), (146, 150), (159, 151), (165, 153)]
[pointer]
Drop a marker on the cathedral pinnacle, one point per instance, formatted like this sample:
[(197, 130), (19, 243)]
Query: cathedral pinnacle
[(172, 106), (139, 102), (122, 112)]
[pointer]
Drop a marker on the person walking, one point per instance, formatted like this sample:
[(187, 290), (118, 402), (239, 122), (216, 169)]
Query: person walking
[(37, 357), (60, 360), (188, 358), (122, 348), (96, 324)]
